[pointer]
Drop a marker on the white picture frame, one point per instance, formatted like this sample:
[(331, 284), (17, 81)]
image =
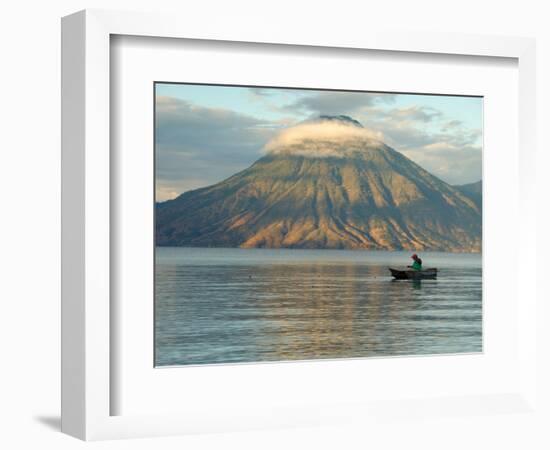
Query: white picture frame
[(87, 355)]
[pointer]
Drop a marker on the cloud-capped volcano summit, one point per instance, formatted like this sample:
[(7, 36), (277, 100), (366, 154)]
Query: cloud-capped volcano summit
[(325, 183), (327, 136)]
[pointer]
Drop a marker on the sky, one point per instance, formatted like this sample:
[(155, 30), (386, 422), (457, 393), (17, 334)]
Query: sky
[(207, 133)]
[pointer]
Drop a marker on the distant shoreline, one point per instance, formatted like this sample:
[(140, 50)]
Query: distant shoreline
[(323, 249)]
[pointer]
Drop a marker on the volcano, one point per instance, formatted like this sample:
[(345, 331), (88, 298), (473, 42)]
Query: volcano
[(325, 184)]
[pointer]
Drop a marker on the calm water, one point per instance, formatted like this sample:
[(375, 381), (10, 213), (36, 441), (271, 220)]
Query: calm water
[(237, 305)]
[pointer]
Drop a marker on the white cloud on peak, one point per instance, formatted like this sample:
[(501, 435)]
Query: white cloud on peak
[(322, 139)]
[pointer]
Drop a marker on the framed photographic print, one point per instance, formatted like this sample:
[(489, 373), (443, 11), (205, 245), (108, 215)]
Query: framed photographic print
[(283, 218), (262, 230)]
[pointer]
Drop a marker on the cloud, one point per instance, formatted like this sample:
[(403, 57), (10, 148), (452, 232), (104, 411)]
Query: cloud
[(335, 103), (261, 92), (321, 139), (451, 124), (198, 146), (446, 148), (415, 113)]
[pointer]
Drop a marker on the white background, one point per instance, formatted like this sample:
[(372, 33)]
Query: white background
[(29, 177)]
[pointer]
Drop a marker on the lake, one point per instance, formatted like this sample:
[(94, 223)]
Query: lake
[(218, 305)]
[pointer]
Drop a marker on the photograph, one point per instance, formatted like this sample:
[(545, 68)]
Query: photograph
[(295, 224)]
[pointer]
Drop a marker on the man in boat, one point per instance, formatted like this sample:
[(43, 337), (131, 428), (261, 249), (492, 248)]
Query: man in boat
[(417, 262)]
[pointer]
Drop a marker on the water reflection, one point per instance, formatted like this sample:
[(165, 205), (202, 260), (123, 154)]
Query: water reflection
[(214, 313)]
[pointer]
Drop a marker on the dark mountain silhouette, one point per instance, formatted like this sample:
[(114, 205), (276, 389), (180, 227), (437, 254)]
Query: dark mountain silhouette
[(325, 184), (473, 191)]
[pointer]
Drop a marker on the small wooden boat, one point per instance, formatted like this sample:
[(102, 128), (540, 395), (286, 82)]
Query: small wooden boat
[(426, 274)]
